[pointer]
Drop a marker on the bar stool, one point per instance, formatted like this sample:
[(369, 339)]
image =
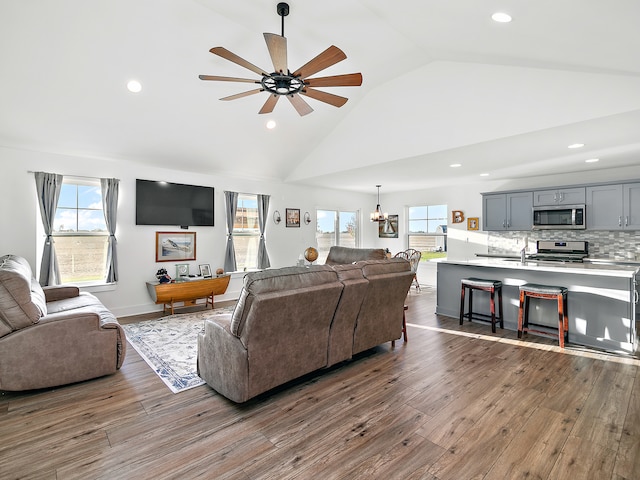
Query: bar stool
[(548, 292), (491, 286), (404, 327)]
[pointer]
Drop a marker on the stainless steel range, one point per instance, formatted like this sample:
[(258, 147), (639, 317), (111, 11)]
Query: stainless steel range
[(560, 251)]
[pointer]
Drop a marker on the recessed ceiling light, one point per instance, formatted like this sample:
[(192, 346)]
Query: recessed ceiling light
[(455, 165), (576, 145), (271, 124), (501, 17), (134, 86), (484, 174), (592, 160)]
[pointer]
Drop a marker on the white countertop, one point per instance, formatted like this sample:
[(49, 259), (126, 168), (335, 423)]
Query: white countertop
[(625, 271)]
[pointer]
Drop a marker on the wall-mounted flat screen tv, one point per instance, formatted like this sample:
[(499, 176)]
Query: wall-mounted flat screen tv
[(164, 203)]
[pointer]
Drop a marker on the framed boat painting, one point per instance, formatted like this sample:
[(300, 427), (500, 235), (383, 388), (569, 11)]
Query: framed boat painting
[(172, 246)]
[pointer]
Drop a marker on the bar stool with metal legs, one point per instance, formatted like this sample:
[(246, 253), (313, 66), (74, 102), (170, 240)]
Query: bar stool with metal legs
[(548, 292), (491, 286)]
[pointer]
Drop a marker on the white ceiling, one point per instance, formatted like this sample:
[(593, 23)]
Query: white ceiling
[(443, 84)]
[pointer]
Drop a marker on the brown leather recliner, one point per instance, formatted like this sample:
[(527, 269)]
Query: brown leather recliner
[(52, 336)]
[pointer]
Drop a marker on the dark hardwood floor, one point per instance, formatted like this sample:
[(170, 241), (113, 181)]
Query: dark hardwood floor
[(452, 403)]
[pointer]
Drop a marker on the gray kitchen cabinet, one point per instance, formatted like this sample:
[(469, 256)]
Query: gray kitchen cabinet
[(507, 211), (631, 206), (613, 207), (564, 196)]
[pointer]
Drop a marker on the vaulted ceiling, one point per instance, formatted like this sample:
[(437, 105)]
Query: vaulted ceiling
[(443, 84)]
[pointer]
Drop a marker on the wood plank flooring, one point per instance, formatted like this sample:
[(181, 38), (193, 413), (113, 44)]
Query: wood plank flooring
[(452, 403)]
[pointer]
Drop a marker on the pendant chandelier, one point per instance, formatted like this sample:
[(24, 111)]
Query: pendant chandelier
[(378, 216)]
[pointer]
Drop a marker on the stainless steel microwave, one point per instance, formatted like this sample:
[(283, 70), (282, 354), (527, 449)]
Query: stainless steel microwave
[(559, 217)]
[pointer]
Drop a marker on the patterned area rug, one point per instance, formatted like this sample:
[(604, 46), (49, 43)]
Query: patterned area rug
[(170, 346)]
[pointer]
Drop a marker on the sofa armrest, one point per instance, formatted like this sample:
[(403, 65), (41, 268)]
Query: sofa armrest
[(223, 360), (60, 292)]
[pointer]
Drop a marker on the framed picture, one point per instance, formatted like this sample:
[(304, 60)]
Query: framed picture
[(293, 217), (205, 270), (388, 228), (172, 246), (472, 223)]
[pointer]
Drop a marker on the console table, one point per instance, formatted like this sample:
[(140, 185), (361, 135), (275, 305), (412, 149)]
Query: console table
[(187, 291)]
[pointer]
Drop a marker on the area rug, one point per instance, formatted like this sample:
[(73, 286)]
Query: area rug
[(170, 346)]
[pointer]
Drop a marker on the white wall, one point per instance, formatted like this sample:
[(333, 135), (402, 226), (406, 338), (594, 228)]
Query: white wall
[(462, 244), (22, 233)]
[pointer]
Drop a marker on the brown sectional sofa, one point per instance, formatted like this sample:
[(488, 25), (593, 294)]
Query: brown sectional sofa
[(53, 335), (292, 321)]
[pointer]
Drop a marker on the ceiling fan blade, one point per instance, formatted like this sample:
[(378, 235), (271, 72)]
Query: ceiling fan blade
[(302, 107), (269, 104), (330, 98), (348, 80), (243, 94), (232, 57), (227, 79), (277, 46), (330, 56)]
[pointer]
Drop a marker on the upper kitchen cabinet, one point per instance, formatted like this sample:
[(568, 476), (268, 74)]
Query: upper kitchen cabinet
[(631, 205), (566, 196), (507, 211), (613, 207)]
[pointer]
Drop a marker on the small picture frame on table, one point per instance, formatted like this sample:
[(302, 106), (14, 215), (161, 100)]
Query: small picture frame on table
[(182, 270), (205, 270)]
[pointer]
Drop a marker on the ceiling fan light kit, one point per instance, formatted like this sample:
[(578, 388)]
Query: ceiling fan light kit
[(282, 82)]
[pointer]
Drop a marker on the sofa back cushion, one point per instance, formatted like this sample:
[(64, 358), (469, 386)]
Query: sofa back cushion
[(283, 321), (380, 316), (276, 280), (344, 320), (22, 301), (342, 255)]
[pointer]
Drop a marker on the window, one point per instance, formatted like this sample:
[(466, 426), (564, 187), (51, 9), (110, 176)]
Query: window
[(246, 232), (80, 232), (335, 228), (428, 230)]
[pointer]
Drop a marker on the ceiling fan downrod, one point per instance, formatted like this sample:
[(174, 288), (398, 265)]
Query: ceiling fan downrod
[(283, 11)]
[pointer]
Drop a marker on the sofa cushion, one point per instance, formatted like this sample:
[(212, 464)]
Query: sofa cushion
[(341, 255), (84, 302), (376, 267), (276, 280), (344, 319), (22, 301)]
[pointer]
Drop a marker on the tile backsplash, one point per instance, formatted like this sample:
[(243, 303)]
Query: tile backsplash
[(602, 244)]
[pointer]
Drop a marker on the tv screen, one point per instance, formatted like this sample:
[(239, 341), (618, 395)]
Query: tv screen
[(164, 203)]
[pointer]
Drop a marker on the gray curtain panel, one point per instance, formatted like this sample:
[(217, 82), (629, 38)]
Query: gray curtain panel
[(48, 186), (231, 206), (110, 187), (263, 210)]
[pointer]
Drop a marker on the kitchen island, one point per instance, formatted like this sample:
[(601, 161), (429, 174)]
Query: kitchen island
[(601, 299)]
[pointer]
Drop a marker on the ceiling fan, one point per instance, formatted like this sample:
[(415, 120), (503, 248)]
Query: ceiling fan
[(283, 82)]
